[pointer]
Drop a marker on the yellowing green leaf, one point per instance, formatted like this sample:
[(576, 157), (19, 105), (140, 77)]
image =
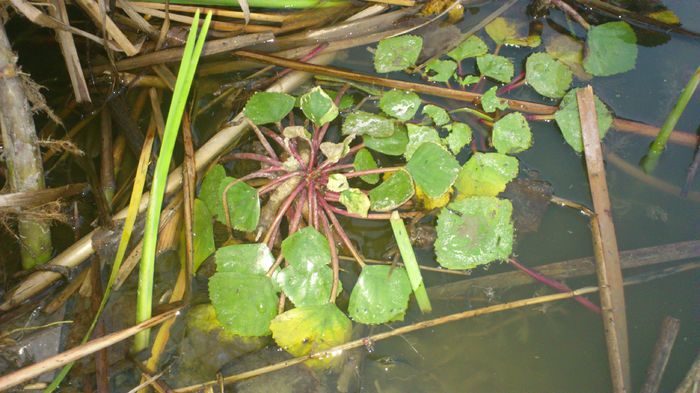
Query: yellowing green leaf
[(356, 201), (486, 174)]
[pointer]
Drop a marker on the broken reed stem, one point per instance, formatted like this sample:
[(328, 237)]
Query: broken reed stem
[(605, 247), (391, 333), (662, 352), (70, 53), (254, 16), (22, 154)]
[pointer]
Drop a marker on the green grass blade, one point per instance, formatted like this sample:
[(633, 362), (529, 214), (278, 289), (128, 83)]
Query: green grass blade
[(409, 261)]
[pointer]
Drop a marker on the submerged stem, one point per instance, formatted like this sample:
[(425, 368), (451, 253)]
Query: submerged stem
[(340, 231), (335, 264), (281, 212)]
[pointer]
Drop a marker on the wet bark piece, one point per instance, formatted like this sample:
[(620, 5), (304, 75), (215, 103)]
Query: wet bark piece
[(22, 155), (530, 199)]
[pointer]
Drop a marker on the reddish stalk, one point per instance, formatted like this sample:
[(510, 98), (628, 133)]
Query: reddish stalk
[(514, 84), (340, 231), (296, 214), (275, 137), (335, 264), (270, 151), (295, 153), (373, 171), (554, 284), (271, 185), (370, 216), (313, 208), (275, 265), (250, 156), (339, 167), (282, 210)]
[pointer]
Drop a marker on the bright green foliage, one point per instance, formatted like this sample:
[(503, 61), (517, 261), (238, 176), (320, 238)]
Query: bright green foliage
[(265, 107), (460, 135), (380, 295), (567, 118), (471, 47), (611, 48), (243, 205), (496, 67), (346, 102), (308, 329), (245, 303), (364, 161), (209, 191), (440, 70), (511, 134), (356, 201), (547, 76), (306, 287), (365, 123), (397, 53), (253, 258), (337, 182), (490, 102), (486, 174), (307, 249), (467, 79), (438, 115), (400, 104), (417, 135), (393, 192), (410, 263), (433, 169), (202, 234), (394, 145), (473, 232), (335, 151), (318, 106)]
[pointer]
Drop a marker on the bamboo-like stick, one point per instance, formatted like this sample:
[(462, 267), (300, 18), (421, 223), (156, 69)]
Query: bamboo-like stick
[(70, 53), (255, 16), (692, 378), (662, 352), (605, 247), (71, 355), (106, 23), (217, 25)]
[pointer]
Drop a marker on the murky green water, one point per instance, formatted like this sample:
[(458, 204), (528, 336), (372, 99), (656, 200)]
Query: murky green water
[(560, 348)]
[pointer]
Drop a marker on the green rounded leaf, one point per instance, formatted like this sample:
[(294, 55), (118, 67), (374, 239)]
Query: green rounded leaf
[(511, 134), (490, 102), (433, 169), (460, 135), (569, 122), (318, 106), (393, 192), (486, 174), (307, 249), (547, 76), (467, 79), (364, 161), (474, 231), (440, 70), (266, 107), (394, 145), (400, 104), (471, 47), (308, 329), (253, 258), (438, 115), (569, 51), (417, 135), (306, 287), (380, 295), (209, 191), (397, 53), (365, 123), (495, 67), (611, 48), (202, 233), (245, 303), (243, 204), (356, 201)]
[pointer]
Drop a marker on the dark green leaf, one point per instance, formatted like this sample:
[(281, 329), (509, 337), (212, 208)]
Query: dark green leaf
[(511, 134), (486, 174), (433, 169), (394, 145), (363, 162), (547, 76), (393, 192), (380, 295), (567, 118), (266, 107), (474, 231), (496, 67), (243, 205), (307, 249), (400, 104), (245, 303), (397, 53), (611, 48)]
